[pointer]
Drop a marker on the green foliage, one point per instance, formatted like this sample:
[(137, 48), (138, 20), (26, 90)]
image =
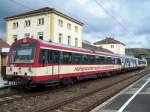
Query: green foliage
[(139, 52)]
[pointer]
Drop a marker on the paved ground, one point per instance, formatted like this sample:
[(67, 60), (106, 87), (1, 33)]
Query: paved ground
[(1, 82), (135, 99)]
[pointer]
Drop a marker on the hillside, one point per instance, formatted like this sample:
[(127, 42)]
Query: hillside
[(138, 51)]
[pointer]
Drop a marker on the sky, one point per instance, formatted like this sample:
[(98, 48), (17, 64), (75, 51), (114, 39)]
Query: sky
[(125, 20)]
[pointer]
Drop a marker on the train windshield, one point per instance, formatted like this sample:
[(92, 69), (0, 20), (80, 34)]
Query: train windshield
[(23, 54)]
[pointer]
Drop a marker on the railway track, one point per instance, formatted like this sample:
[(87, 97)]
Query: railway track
[(16, 96), (63, 100), (87, 101)]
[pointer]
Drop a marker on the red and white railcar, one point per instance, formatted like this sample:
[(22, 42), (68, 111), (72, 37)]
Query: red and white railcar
[(34, 61)]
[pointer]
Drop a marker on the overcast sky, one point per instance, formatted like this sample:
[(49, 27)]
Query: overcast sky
[(125, 20)]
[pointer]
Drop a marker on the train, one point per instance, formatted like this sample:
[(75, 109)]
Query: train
[(34, 62)]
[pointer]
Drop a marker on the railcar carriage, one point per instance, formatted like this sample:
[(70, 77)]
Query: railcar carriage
[(34, 61), (142, 63), (129, 63)]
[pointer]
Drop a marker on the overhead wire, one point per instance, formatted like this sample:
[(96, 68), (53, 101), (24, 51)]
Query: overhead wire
[(100, 4), (20, 4)]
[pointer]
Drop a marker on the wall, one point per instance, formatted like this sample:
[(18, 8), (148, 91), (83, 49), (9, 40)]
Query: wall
[(51, 29), (118, 48), (66, 32), (33, 29)]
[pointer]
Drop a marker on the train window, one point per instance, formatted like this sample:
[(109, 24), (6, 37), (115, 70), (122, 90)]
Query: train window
[(97, 60), (101, 60), (49, 58), (108, 60), (56, 55), (85, 59), (77, 58), (43, 56), (113, 61), (67, 58), (118, 61), (91, 59)]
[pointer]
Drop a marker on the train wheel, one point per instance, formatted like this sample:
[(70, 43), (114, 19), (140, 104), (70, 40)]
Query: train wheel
[(76, 79), (66, 81)]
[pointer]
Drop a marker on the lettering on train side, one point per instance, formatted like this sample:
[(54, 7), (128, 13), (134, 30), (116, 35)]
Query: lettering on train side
[(92, 68)]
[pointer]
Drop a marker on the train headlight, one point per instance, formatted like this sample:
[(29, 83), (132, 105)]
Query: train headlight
[(10, 69), (25, 74), (19, 69), (30, 69)]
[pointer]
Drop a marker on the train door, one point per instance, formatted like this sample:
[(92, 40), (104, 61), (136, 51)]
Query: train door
[(56, 63), (50, 61)]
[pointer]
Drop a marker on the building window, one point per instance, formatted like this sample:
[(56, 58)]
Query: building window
[(40, 35), (69, 26), (27, 35), (60, 23), (76, 29), (112, 46), (76, 42), (41, 21), (15, 37), (60, 37), (27, 23), (69, 40), (15, 25)]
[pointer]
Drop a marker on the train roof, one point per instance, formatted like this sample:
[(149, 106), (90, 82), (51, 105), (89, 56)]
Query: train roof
[(44, 43)]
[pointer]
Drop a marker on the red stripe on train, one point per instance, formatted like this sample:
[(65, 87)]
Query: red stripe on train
[(46, 77)]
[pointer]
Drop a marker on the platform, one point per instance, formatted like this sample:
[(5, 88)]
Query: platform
[(135, 98)]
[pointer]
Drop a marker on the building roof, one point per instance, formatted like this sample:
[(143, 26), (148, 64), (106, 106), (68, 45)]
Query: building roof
[(45, 10), (108, 41), (4, 44), (94, 48)]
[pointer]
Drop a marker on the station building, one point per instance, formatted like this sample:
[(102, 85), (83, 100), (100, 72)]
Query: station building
[(47, 24), (4, 49), (112, 45)]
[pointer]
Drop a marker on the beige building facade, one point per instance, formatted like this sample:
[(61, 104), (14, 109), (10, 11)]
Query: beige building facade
[(112, 45), (47, 24)]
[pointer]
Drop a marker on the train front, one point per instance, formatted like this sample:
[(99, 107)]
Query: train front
[(21, 62)]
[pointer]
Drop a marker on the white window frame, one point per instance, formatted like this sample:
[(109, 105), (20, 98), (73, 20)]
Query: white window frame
[(60, 22), (15, 37), (69, 26), (76, 29), (40, 21), (112, 46), (60, 38), (69, 40), (27, 23), (15, 25), (76, 42), (40, 35)]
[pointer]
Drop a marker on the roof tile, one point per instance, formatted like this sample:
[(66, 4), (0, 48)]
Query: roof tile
[(108, 41), (4, 44)]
